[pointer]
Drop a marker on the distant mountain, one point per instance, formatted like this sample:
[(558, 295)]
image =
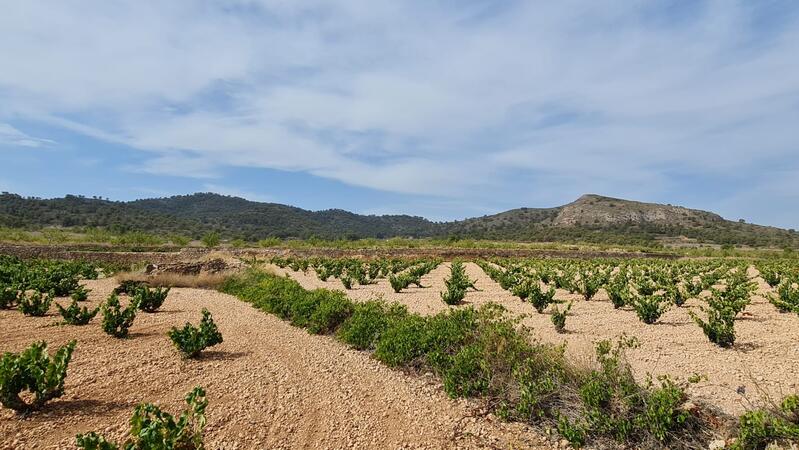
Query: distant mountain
[(591, 218)]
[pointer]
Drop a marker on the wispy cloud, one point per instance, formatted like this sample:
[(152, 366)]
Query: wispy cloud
[(10, 136), (490, 103)]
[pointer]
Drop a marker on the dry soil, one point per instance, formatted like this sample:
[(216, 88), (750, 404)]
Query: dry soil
[(270, 385), (764, 363)]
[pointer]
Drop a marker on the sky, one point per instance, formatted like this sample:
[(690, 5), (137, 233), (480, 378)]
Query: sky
[(444, 109)]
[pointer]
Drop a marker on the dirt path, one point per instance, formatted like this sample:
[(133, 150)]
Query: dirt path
[(269, 385), (765, 357)]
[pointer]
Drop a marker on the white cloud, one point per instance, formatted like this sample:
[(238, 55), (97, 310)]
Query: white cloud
[(10, 136), (505, 104)]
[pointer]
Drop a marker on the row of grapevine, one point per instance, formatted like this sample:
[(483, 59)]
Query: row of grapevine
[(650, 287), (400, 272), (348, 270), (31, 378)]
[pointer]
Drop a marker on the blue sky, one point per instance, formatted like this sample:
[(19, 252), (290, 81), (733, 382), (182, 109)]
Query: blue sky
[(445, 109)]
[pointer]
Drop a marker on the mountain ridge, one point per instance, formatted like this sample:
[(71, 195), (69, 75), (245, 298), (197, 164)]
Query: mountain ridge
[(590, 218)]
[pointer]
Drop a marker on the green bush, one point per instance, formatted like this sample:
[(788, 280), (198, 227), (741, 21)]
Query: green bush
[(453, 295), (301, 309), (180, 241), (117, 321), (559, 317), (589, 284), (211, 239), (153, 429), (81, 294), (662, 411), (676, 295), (35, 304), (486, 353), (191, 340), (575, 433), (618, 290), (759, 428), (403, 342), (8, 297), (129, 287), (149, 300), (469, 374), (540, 299), (269, 242), (75, 315), (33, 370), (787, 299), (649, 308), (346, 281), (522, 288), (720, 324), (403, 280), (619, 295), (457, 284), (332, 310), (367, 322), (445, 334)]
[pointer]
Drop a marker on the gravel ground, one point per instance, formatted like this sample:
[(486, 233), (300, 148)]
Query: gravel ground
[(269, 385), (765, 358)]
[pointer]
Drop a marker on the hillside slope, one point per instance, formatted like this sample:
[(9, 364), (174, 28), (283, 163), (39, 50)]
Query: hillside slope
[(590, 218)]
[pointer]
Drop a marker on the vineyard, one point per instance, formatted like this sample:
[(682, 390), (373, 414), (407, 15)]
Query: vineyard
[(726, 329), (602, 353)]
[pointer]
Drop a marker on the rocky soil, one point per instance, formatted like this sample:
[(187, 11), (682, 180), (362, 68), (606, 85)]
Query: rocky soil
[(763, 363)]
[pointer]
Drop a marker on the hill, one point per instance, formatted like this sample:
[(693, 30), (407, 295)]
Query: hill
[(591, 218)]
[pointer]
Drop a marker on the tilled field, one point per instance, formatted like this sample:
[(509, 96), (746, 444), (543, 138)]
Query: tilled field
[(764, 360), (269, 385)]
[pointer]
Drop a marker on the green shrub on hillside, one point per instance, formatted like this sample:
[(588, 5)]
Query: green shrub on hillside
[(211, 239)]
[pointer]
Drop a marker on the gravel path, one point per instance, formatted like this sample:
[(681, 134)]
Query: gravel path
[(269, 385), (765, 357)]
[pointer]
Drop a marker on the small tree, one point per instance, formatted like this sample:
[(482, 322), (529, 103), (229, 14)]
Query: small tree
[(34, 371)]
